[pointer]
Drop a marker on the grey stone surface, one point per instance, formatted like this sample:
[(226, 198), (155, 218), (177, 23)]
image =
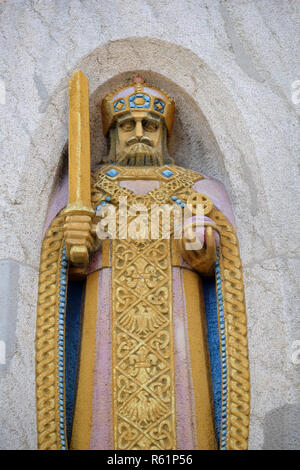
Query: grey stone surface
[(282, 428), (17, 383), (9, 280), (230, 66)]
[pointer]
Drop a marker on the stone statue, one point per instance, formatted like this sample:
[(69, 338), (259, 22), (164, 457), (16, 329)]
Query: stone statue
[(141, 328)]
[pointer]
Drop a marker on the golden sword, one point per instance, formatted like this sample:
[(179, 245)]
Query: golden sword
[(79, 158)]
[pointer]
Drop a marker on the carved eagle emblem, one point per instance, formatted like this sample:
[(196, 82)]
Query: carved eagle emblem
[(141, 320), (143, 409)]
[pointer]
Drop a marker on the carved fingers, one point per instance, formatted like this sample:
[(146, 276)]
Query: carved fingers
[(78, 233), (203, 258)]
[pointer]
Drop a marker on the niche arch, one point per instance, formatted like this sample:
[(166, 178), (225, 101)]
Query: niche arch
[(205, 138)]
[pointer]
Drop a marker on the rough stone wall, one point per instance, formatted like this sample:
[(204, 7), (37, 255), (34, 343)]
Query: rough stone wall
[(231, 67)]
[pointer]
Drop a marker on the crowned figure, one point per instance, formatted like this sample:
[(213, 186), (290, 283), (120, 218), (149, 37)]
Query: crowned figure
[(141, 325)]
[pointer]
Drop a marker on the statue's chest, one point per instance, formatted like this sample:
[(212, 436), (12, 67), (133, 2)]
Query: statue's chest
[(148, 185)]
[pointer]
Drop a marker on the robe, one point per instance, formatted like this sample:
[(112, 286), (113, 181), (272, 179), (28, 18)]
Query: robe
[(143, 374)]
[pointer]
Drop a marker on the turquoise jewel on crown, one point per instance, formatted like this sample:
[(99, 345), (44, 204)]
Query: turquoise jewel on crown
[(159, 106), (119, 105), (139, 100), (112, 172), (167, 173)]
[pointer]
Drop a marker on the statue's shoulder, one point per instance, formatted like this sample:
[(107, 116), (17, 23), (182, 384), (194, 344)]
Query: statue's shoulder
[(211, 187), (212, 184), (181, 171), (202, 183), (218, 194)]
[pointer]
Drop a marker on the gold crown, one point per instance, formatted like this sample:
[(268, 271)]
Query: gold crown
[(134, 96)]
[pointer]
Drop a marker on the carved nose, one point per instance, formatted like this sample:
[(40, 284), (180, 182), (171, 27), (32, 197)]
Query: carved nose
[(139, 130)]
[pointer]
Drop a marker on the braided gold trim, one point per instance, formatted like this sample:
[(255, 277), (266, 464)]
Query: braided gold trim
[(47, 338), (238, 383)]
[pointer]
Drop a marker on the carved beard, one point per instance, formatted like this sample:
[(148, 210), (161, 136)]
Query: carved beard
[(139, 154)]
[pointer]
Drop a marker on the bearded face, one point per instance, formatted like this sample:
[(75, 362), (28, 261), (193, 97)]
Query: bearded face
[(139, 154), (139, 139)]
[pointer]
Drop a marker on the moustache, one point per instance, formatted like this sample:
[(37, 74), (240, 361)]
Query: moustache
[(144, 140)]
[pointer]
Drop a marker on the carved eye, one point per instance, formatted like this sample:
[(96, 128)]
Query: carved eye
[(128, 126), (150, 126)]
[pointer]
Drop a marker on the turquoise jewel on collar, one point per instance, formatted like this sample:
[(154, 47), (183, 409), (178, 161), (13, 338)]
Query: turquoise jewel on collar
[(178, 201), (167, 173), (112, 172)]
